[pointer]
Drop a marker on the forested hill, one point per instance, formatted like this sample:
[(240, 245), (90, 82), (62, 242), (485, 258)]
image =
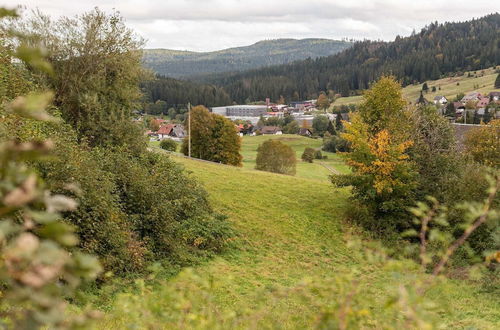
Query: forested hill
[(439, 49), (181, 64)]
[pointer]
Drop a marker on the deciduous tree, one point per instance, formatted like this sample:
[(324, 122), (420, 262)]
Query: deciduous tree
[(275, 156), (483, 144), (213, 138)]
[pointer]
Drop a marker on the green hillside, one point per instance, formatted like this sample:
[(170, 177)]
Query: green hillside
[(289, 267), (481, 81), (178, 64), (319, 169)]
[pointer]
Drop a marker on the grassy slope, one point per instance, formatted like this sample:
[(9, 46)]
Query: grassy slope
[(315, 170), (290, 228), (448, 86)]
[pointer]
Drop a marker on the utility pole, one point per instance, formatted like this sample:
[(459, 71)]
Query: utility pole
[(189, 129)]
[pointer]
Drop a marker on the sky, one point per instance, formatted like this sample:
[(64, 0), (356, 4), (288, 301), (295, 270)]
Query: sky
[(208, 25)]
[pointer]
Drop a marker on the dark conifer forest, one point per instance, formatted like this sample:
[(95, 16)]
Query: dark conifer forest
[(437, 50)]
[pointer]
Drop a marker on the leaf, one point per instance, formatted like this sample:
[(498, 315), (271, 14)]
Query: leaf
[(409, 233), (33, 106), (43, 217), (4, 12), (58, 203), (23, 194), (34, 57)]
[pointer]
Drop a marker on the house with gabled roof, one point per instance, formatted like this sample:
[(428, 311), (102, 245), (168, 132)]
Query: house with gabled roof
[(473, 96), (171, 131), (271, 130), (494, 96), (440, 100), (304, 131)]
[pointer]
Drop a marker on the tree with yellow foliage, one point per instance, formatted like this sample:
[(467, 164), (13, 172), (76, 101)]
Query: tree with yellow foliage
[(383, 175), (483, 144)]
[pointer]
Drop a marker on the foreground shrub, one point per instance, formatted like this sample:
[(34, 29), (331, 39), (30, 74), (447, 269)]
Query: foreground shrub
[(133, 208), (275, 156), (168, 144), (40, 265)]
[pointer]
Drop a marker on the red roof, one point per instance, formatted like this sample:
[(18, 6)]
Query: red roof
[(484, 101), (166, 129)]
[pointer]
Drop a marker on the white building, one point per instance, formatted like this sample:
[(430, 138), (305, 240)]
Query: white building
[(241, 110)]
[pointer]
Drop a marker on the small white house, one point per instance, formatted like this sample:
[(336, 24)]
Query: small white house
[(440, 100)]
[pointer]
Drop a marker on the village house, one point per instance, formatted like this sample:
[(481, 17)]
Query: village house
[(245, 129), (482, 103), (494, 96), (271, 130), (440, 100), (473, 96), (304, 131), (171, 131)]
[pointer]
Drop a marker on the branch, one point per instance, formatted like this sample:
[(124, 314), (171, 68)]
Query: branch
[(482, 219)]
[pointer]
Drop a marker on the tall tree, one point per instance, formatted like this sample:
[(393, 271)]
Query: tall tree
[(331, 129), (383, 175), (322, 102), (320, 124), (97, 64), (213, 137), (425, 88), (450, 109), (497, 81), (483, 144)]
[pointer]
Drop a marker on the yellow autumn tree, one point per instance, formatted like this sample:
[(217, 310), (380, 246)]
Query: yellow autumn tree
[(483, 144), (383, 175)]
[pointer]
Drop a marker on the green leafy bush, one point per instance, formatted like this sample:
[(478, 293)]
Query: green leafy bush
[(308, 155), (335, 143), (168, 144), (275, 156)]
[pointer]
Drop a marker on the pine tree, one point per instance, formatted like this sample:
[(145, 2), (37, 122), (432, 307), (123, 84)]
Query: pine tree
[(425, 88), (331, 129), (450, 110), (497, 81), (338, 122)]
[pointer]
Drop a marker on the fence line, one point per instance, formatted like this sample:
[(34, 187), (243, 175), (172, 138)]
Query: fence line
[(178, 154)]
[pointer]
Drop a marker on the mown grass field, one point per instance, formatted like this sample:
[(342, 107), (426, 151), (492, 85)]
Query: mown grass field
[(288, 267), (319, 169), (483, 83)]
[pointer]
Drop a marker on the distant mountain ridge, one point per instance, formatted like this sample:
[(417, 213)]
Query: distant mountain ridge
[(184, 64), (437, 51)]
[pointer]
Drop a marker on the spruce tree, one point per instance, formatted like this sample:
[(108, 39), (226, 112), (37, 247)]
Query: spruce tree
[(331, 129), (497, 81), (425, 88), (450, 110)]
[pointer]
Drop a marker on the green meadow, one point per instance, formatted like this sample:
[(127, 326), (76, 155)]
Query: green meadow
[(481, 81), (294, 263)]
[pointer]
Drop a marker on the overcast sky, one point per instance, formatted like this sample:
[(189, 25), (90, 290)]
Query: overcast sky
[(206, 25)]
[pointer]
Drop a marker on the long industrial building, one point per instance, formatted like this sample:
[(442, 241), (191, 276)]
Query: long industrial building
[(241, 110)]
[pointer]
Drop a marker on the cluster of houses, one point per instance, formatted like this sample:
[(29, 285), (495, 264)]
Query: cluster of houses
[(474, 101), (166, 130), (252, 113), (252, 130)]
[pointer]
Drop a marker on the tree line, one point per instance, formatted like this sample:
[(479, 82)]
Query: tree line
[(174, 93)]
